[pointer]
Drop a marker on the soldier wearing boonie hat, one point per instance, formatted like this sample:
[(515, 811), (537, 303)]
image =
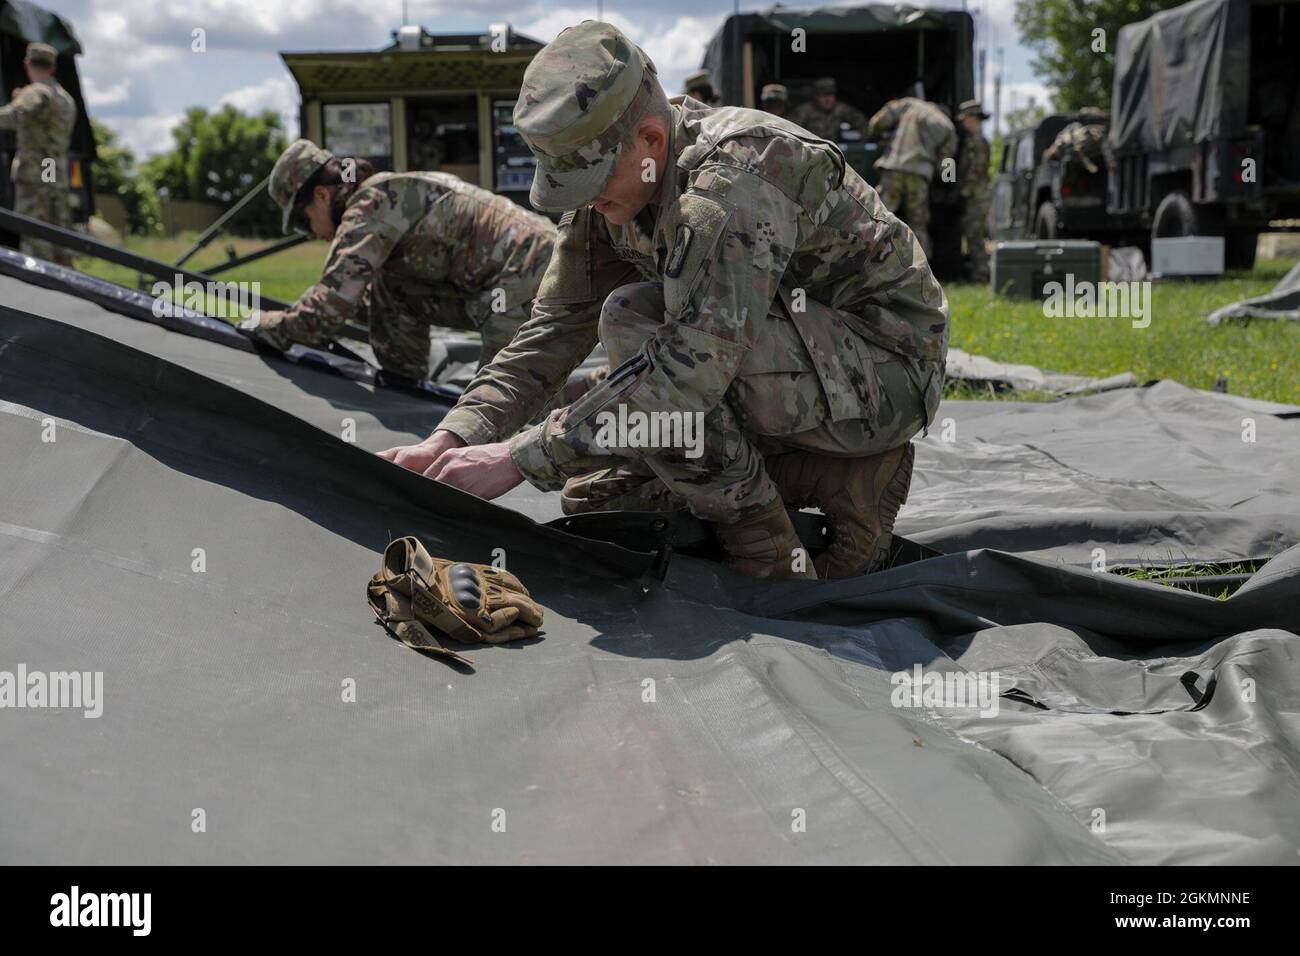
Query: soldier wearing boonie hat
[(409, 251), (973, 184), (700, 246), (42, 116)]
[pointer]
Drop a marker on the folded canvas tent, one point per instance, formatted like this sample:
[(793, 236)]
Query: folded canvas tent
[(673, 712)]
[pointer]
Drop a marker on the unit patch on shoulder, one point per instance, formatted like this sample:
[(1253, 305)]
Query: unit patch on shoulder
[(680, 248)]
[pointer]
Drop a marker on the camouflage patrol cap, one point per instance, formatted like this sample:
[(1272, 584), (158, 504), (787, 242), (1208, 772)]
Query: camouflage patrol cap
[(775, 91), (42, 54), (972, 108), (294, 167), (824, 85), (582, 94)]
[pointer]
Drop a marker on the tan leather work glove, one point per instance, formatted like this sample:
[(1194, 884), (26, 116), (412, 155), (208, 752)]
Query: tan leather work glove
[(418, 597)]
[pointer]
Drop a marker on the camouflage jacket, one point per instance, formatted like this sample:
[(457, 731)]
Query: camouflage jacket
[(973, 167), (754, 210), (923, 136), (435, 228), (826, 124), (43, 115), (1081, 141)]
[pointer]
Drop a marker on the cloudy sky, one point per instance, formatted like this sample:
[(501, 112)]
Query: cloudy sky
[(139, 73)]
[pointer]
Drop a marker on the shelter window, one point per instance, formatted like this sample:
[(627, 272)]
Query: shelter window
[(363, 130)]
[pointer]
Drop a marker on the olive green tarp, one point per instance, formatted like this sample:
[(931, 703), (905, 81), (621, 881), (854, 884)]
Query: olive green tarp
[(669, 714)]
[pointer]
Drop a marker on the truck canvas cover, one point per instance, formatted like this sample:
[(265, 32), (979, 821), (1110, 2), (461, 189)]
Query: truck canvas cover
[(728, 42), (1182, 77)]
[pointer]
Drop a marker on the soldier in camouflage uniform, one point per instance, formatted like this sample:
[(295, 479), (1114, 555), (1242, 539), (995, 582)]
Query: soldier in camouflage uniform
[(775, 99), (700, 86), (758, 283), (923, 138), (410, 251), (43, 115), (973, 182), (825, 115), (1081, 140)]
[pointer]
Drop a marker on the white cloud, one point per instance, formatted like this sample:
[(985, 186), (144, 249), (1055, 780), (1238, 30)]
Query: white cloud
[(147, 135), (98, 96), (278, 94), (676, 45)]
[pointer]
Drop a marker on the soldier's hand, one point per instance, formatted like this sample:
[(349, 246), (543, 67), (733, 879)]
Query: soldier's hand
[(487, 471), (418, 458)]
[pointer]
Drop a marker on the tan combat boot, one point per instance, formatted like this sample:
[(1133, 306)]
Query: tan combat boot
[(763, 545), (860, 498)]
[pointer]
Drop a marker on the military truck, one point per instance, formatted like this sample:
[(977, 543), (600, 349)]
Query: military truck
[(22, 23), (1205, 123), (1036, 196), (876, 53)]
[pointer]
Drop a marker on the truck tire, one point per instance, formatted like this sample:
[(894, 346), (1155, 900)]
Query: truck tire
[(1045, 222), (1239, 248), (1178, 216)]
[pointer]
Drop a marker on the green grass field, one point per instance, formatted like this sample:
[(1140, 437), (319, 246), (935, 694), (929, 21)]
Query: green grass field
[(1258, 360)]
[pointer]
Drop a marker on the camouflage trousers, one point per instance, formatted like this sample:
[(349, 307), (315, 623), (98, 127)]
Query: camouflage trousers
[(47, 202), (975, 230), (908, 197), (400, 313), (776, 404)]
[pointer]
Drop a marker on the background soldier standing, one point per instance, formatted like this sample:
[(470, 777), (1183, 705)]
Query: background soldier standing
[(410, 251), (923, 137), (973, 182), (709, 283), (700, 86), (43, 115), (825, 113), (776, 100)]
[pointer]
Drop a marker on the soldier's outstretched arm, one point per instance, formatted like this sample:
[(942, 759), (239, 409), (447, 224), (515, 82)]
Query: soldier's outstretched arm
[(948, 145), (885, 119), (25, 101), (731, 248), (371, 228), (560, 334)]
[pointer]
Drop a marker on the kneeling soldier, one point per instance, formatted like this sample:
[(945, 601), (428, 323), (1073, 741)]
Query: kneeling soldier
[(410, 251), (737, 272)]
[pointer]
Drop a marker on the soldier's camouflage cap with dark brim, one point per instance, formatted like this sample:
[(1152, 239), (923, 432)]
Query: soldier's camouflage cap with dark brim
[(291, 171), (581, 96)]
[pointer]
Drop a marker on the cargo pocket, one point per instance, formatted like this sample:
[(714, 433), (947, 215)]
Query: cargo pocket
[(842, 360), (608, 393), (777, 391)]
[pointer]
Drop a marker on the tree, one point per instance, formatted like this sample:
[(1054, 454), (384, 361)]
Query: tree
[(218, 157), (116, 175), (1068, 54), (1026, 115)]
